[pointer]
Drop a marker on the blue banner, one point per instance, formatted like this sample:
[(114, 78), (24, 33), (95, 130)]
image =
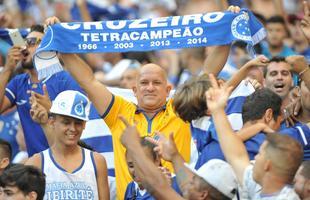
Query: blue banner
[(216, 28)]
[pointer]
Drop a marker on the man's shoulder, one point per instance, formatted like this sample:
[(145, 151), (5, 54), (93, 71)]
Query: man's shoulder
[(21, 78)]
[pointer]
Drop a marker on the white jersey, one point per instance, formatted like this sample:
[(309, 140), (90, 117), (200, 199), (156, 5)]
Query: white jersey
[(81, 184)]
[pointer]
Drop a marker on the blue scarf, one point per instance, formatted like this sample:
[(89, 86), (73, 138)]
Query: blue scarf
[(216, 28)]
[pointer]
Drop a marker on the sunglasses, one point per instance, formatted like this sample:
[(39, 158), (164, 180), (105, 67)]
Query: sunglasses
[(32, 41)]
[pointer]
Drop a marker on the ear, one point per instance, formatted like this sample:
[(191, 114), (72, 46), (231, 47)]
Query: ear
[(4, 163), (204, 194), (134, 88), (32, 195), (268, 115), (168, 89), (267, 165)]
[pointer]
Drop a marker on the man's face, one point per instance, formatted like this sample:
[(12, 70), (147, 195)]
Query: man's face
[(192, 190), (276, 33), (302, 185), (278, 78), (129, 78), (13, 193), (260, 160), (151, 88), (69, 130), (33, 40)]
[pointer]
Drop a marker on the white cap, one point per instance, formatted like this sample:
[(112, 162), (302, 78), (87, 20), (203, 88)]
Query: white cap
[(71, 103), (220, 175)]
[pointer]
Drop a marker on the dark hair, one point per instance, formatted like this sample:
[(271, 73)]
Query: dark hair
[(276, 59), (189, 100), (240, 44), (150, 146), (26, 178), (37, 28), (257, 103), (305, 172), (213, 193), (285, 153), (276, 19), (260, 17), (6, 148)]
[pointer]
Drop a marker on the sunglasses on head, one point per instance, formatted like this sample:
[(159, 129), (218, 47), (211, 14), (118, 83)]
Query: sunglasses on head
[(32, 41)]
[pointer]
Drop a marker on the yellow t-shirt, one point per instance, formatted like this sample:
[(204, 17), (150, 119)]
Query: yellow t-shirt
[(164, 121)]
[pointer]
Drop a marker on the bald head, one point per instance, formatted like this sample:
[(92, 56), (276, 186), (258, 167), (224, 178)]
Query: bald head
[(153, 68)]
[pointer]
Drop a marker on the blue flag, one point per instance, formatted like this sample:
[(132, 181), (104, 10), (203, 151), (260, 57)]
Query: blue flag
[(216, 28)]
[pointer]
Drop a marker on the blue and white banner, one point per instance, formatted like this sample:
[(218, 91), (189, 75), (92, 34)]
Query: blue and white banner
[(216, 28)]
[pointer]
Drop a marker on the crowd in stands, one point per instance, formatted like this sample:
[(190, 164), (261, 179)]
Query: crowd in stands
[(218, 122)]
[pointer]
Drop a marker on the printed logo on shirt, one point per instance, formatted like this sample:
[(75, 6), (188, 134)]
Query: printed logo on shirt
[(64, 190), (21, 102)]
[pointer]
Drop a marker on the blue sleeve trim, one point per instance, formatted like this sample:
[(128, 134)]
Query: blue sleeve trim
[(109, 107), (94, 163)]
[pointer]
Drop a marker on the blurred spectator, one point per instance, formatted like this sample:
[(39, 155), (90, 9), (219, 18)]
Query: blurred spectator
[(9, 122), (300, 42), (302, 181), (276, 33), (5, 155)]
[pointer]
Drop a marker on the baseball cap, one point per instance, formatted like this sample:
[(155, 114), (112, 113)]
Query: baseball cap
[(71, 103), (220, 175)]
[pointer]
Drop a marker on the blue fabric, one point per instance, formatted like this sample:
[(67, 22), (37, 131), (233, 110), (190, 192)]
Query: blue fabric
[(132, 194), (114, 12), (286, 51), (218, 28), (301, 133), (8, 130)]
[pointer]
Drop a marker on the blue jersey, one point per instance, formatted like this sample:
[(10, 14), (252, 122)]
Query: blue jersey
[(16, 92), (301, 133), (8, 129), (210, 148), (134, 193)]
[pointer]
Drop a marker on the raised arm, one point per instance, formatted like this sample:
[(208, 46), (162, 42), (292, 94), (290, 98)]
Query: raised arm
[(166, 148), (247, 132), (244, 70), (152, 179), (232, 146), (98, 94), (300, 66), (13, 57)]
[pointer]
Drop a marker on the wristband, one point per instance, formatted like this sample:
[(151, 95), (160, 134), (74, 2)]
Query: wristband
[(303, 71)]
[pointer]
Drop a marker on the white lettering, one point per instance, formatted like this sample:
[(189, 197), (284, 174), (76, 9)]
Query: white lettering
[(70, 27), (138, 24), (195, 18), (88, 25), (159, 22), (175, 20), (114, 36), (187, 32), (121, 24), (213, 17), (95, 37)]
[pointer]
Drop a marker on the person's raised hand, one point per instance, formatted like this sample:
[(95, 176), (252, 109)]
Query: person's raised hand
[(216, 96), (305, 22), (51, 21), (298, 63), (38, 112), (130, 134), (165, 148), (259, 61), (234, 9), (44, 99), (13, 57)]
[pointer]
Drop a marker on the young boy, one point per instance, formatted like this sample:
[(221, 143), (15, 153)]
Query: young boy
[(135, 189), (72, 172)]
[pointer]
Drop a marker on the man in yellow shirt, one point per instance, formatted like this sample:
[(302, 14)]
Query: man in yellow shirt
[(152, 113)]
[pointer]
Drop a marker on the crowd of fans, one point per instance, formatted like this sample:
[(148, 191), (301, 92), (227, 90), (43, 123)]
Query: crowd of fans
[(217, 122)]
